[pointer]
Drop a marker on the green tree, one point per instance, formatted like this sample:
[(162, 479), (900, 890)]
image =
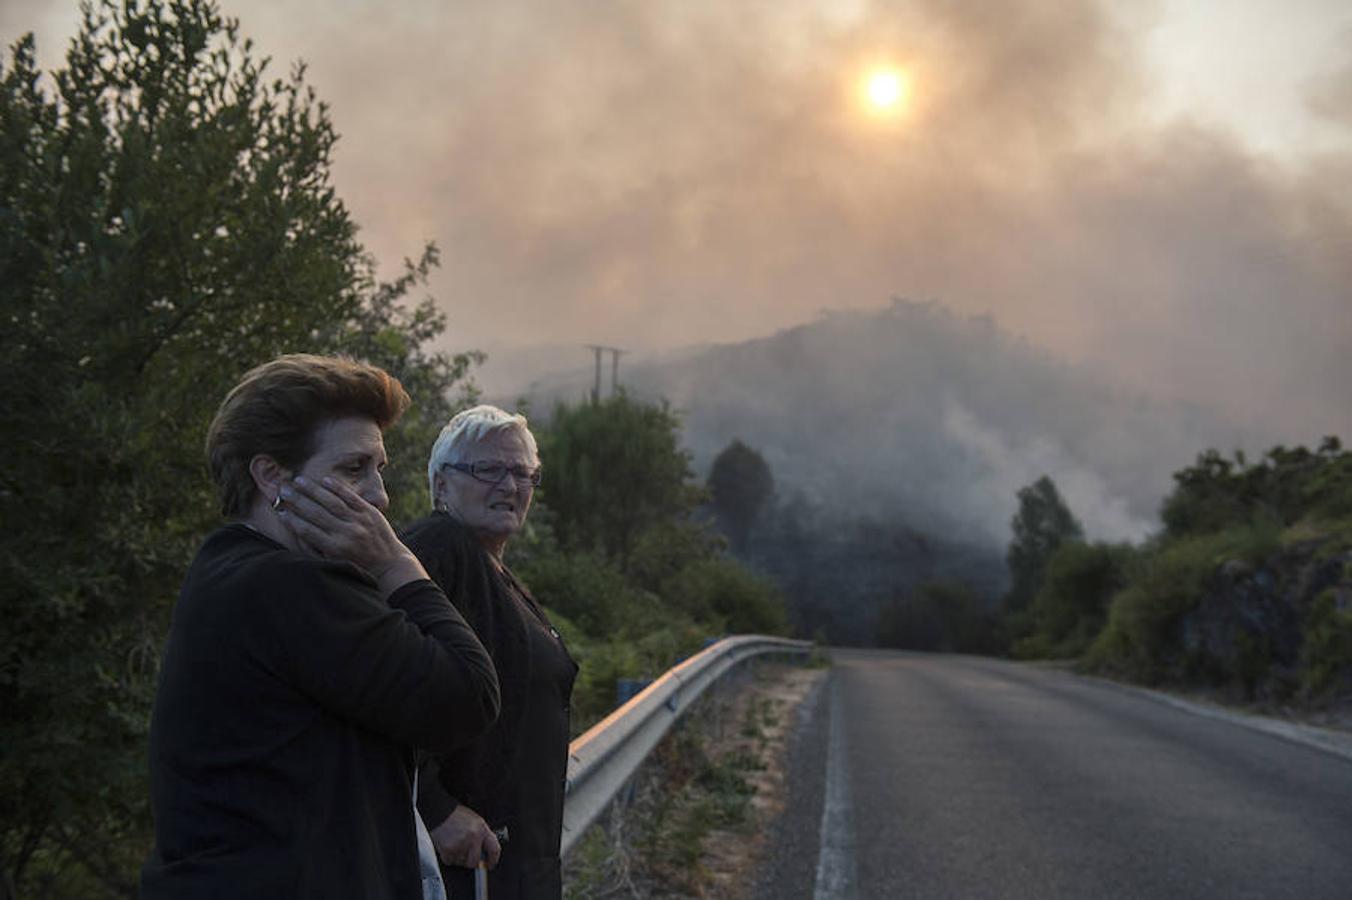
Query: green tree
[(1287, 517), (167, 220), (1207, 496), (613, 470), (1041, 525), (1071, 607), (399, 339), (614, 551), (666, 549), (1287, 484), (739, 484)]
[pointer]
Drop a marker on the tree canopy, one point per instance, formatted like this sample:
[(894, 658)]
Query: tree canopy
[(1041, 525), (633, 579), (1288, 483), (167, 221), (1071, 605), (740, 484), (613, 470)]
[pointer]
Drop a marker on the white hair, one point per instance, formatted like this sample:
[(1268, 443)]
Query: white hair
[(469, 428)]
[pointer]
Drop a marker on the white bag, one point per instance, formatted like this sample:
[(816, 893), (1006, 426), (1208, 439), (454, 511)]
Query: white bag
[(433, 887)]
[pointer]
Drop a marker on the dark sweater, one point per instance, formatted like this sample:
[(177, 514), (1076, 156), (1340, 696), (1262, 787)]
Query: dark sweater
[(289, 702), (513, 775)]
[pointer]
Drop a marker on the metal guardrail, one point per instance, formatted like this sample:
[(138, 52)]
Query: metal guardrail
[(603, 759)]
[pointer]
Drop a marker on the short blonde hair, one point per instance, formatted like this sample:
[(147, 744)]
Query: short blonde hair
[(470, 427), (278, 407)]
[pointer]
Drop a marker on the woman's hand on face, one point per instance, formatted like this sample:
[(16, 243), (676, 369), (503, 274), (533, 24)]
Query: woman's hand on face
[(336, 522), (465, 838)]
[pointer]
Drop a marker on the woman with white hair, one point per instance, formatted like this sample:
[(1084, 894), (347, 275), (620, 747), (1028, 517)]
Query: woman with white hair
[(498, 800)]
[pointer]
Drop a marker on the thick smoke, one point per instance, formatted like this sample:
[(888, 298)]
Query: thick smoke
[(647, 177), (899, 439), (654, 175), (650, 175), (915, 416), (1003, 468), (1330, 94)]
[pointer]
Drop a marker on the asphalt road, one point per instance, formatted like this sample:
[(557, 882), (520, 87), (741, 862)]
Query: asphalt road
[(951, 777)]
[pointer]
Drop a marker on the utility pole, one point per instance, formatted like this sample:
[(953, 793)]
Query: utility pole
[(614, 369), (596, 392)]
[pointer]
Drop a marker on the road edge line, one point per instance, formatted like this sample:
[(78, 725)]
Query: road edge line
[(837, 876), (1332, 741)]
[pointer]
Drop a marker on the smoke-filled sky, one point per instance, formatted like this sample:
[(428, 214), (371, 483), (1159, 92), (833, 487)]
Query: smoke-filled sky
[(1163, 192)]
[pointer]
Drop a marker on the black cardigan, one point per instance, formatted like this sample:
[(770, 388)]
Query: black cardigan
[(289, 702), (483, 774), (474, 774)]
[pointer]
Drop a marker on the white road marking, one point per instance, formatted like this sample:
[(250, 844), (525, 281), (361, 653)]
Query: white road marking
[(836, 874), (1330, 740)]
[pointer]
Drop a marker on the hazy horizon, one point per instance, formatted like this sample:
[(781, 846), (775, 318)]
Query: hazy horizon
[(1159, 194), (935, 420)]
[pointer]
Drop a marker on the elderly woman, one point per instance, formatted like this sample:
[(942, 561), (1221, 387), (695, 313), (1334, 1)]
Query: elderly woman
[(308, 656), (482, 472)]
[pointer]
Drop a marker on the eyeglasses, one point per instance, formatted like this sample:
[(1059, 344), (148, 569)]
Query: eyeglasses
[(494, 472)]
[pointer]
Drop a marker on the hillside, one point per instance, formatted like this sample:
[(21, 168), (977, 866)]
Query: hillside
[(898, 439)]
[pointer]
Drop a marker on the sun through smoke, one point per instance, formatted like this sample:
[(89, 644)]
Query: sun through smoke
[(884, 90)]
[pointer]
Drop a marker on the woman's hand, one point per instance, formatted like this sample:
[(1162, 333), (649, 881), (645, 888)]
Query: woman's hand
[(335, 522), (465, 838)]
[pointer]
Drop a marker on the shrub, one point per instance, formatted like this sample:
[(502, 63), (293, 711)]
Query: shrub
[(1286, 485), (1165, 583), (586, 588), (1071, 607), (600, 665), (666, 549), (1041, 525), (168, 221), (739, 485), (613, 470), (1326, 659), (719, 590)]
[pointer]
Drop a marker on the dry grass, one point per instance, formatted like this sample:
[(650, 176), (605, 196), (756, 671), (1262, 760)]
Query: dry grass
[(698, 817)]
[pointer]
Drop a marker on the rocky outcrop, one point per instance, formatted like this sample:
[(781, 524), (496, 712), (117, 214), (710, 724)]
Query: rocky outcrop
[(1273, 631)]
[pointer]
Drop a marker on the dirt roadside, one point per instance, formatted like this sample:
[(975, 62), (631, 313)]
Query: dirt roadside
[(733, 856), (698, 819)]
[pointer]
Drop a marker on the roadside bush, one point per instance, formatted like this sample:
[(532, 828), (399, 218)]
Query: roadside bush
[(167, 221), (1326, 659), (613, 550), (1165, 582), (1288, 484), (1328, 493), (587, 589), (665, 550), (600, 665), (720, 590), (1071, 607), (604, 661), (643, 649), (615, 469)]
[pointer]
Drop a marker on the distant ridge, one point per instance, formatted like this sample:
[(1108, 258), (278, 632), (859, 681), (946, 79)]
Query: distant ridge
[(911, 420), (913, 410)]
